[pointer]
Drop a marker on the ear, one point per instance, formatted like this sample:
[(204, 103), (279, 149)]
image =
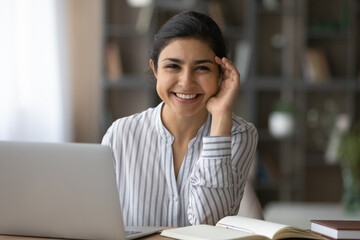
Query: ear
[(152, 65)]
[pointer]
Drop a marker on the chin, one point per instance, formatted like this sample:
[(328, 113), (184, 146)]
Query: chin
[(188, 113)]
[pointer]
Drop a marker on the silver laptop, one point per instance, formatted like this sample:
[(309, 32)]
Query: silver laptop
[(61, 190)]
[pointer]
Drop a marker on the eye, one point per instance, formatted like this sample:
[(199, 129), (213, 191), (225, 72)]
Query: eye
[(172, 66), (202, 68)]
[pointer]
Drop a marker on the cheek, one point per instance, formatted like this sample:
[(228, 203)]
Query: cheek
[(212, 85), (163, 84), (159, 89), (213, 82)]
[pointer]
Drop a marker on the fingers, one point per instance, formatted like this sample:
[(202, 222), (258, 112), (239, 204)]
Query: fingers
[(228, 68), (219, 61)]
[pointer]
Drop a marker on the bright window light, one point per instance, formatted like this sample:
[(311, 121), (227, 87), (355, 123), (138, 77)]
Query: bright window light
[(31, 84)]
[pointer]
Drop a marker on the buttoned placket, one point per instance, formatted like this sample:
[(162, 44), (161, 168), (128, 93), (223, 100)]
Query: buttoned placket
[(174, 203), (174, 186)]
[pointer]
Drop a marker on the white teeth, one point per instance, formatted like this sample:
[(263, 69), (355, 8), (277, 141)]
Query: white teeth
[(186, 96)]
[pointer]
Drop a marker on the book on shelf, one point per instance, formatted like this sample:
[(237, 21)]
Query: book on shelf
[(242, 59), (144, 19), (243, 228), (215, 9), (316, 68), (337, 229), (113, 61)]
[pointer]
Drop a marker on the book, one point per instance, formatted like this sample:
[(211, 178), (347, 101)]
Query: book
[(243, 228), (215, 9), (337, 229), (144, 20), (317, 68), (113, 61), (243, 54)]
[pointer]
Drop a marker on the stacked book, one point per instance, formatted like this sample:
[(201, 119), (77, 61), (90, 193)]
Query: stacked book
[(337, 229)]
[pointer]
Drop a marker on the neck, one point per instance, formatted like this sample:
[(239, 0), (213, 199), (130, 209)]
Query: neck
[(181, 127)]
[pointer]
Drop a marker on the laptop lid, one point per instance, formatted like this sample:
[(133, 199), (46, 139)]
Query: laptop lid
[(55, 190)]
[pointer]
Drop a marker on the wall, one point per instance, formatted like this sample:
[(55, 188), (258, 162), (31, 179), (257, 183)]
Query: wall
[(85, 42)]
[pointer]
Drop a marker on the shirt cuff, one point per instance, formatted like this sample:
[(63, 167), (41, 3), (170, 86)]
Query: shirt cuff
[(216, 147)]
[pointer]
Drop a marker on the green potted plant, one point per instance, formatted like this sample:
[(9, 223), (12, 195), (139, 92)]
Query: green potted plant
[(349, 153)]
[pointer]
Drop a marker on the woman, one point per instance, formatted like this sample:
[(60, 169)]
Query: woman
[(186, 161)]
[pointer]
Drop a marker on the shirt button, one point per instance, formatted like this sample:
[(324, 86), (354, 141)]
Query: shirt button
[(175, 198)]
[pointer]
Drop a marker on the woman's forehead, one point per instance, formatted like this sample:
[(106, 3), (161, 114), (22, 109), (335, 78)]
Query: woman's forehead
[(185, 48)]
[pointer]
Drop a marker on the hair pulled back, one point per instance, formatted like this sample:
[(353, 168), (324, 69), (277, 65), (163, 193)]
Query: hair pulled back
[(188, 25)]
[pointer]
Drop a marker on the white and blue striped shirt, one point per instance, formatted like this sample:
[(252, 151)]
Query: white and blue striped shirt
[(210, 182)]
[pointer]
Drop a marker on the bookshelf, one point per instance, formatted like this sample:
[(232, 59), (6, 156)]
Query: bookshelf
[(294, 168), (279, 34)]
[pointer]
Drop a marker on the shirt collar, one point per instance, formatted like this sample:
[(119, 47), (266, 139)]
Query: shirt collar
[(160, 128), (163, 132)]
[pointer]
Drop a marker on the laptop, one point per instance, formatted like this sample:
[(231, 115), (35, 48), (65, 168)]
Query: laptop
[(61, 190)]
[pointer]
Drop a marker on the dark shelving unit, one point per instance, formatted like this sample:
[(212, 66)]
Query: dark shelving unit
[(290, 169)]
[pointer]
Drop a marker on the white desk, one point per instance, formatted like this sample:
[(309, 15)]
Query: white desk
[(3, 237), (299, 214)]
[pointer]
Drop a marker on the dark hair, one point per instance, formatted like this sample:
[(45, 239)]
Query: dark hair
[(188, 24)]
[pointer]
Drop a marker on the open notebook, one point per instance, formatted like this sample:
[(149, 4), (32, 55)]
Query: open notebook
[(60, 190)]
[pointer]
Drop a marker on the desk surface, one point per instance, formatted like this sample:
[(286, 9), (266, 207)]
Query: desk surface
[(299, 214), (3, 237)]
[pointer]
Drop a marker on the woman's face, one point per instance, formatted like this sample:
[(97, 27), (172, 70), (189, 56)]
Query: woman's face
[(187, 76)]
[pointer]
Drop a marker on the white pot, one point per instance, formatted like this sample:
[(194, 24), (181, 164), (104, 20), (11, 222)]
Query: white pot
[(281, 124)]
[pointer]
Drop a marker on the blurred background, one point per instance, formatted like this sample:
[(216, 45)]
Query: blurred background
[(68, 68)]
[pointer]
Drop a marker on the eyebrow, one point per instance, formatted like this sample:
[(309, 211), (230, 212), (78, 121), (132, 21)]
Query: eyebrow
[(204, 61), (182, 62)]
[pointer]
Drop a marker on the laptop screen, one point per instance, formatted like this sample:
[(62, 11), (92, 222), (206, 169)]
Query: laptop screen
[(57, 190)]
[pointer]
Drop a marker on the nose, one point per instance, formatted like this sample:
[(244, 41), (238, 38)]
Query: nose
[(186, 78)]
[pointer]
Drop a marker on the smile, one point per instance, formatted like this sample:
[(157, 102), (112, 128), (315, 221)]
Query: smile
[(186, 96)]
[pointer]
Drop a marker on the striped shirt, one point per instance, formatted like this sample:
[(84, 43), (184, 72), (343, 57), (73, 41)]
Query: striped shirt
[(210, 182)]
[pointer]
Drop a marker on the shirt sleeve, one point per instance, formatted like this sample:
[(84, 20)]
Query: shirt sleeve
[(107, 138), (219, 176)]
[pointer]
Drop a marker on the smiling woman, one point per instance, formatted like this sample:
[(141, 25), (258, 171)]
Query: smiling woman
[(187, 77), (186, 161)]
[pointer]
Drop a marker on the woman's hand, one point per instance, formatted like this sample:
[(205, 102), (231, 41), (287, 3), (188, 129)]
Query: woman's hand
[(221, 104), (223, 101)]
